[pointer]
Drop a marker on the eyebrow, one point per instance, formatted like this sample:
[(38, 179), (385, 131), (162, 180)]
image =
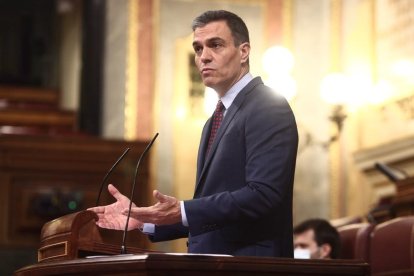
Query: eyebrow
[(301, 244), (213, 39)]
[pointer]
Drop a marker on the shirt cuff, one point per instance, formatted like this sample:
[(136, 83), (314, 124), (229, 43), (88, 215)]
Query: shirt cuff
[(183, 214), (148, 229)]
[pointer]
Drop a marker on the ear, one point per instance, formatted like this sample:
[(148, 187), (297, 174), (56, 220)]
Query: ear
[(325, 251), (244, 49)]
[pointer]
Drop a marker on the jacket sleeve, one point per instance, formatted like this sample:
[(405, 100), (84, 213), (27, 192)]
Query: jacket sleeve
[(169, 232)]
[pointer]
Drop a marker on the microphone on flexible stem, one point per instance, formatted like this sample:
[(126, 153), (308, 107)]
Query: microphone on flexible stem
[(123, 247), (393, 175), (108, 173)]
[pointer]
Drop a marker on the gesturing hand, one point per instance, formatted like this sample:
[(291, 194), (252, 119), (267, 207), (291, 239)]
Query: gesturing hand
[(112, 216), (166, 211)]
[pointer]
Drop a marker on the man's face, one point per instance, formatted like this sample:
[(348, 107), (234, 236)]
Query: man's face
[(220, 63), (306, 240)]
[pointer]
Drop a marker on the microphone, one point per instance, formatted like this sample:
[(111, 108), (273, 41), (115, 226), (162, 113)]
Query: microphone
[(108, 173), (123, 247), (392, 174)]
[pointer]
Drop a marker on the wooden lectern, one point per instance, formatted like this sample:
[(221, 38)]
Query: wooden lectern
[(403, 202), (73, 245), (196, 264), (75, 236), (399, 205)]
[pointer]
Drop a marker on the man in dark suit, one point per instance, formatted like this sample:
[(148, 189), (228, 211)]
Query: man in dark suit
[(242, 202)]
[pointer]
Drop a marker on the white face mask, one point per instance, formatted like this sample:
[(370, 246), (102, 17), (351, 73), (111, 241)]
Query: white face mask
[(300, 253)]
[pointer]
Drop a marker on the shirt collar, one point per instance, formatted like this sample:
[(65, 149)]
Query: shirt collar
[(231, 94)]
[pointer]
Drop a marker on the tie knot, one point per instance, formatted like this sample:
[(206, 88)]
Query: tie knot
[(219, 106)]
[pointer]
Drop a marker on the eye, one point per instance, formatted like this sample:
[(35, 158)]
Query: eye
[(216, 45), (198, 49)]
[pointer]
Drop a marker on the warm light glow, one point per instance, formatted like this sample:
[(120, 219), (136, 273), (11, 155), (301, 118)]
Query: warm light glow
[(181, 112), (334, 88), (283, 84), (355, 90), (210, 100), (339, 89), (381, 92), (277, 59), (360, 89), (404, 69), (278, 63)]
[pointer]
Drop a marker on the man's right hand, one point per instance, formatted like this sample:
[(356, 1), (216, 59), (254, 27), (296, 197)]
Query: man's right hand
[(111, 217)]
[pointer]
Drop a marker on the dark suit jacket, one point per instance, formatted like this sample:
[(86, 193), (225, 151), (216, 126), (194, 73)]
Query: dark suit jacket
[(243, 197)]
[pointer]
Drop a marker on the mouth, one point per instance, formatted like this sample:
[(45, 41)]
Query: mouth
[(205, 71)]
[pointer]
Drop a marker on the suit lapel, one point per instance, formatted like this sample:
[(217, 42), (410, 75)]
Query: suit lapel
[(231, 112), (202, 148)]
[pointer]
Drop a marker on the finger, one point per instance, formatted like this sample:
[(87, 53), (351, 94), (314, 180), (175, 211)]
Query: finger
[(140, 212), (160, 197), (135, 211), (126, 211), (112, 189), (140, 215), (116, 193), (101, 217), (105, 224), (98, 209)]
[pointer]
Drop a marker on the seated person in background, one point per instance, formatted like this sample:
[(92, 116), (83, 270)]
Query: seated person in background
[(316, 239)]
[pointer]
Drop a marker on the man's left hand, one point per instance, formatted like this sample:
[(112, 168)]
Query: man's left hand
[(166, 211)]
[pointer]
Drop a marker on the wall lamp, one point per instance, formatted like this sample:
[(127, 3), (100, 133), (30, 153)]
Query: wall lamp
[(336, 90)]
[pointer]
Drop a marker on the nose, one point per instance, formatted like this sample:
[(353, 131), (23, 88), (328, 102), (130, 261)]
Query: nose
[(205, 56)]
